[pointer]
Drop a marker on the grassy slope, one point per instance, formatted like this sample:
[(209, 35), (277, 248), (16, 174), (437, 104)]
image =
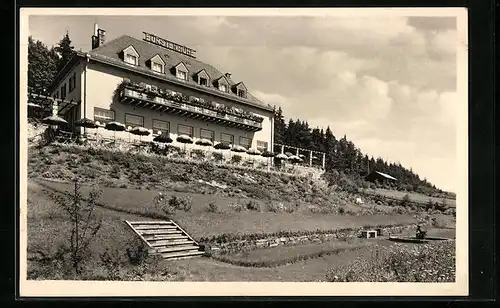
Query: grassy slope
[(413, 196), (201, 223)]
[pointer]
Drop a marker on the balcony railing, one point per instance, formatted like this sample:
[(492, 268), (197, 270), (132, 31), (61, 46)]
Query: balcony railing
[(165, 105)]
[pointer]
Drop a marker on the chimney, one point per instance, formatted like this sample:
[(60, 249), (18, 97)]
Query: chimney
[(228, 75), (99, 37)]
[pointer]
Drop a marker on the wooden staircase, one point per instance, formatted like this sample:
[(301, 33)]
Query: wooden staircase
[(167, 239)]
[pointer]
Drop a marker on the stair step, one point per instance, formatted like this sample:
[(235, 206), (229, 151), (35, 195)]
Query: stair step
[(171, 237), (154, 227), (167, 236), (171, 243), (178, 248), (153, 232), (182, 255), (154, 222)]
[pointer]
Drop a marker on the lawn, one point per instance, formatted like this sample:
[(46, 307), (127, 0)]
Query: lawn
[(394, 194), (199, 222), (282, 255)]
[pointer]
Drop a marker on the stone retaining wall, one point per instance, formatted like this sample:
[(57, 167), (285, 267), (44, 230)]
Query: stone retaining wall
[(251, 244)]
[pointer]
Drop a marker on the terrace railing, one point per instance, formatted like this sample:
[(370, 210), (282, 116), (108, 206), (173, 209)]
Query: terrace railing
[(128, 93)]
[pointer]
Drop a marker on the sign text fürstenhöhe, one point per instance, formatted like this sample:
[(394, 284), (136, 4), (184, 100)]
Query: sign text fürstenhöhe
[(148, 37)]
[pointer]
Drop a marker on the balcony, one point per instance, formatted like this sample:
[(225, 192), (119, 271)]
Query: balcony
[(161, 104)]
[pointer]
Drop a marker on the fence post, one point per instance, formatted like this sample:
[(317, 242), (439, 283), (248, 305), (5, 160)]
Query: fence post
[(310, 158), (282, 149), (323, 160)]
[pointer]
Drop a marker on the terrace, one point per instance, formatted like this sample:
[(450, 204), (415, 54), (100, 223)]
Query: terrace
[(175, 103)]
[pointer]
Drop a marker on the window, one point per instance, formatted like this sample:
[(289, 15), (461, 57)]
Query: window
[(157, 67), (207, 134), (63, 91), (103, 115), (245, 142), (241, 93), (133, 120), (181, 75), (130, 59), (185, 130), (261, 146), (226, 138), (203, 81), (223, 87), (72, 82), (161, 126)]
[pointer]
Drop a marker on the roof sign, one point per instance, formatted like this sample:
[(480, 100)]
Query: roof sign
[(151, 38)]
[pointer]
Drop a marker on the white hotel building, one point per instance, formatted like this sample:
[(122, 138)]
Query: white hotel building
[(161, 86)]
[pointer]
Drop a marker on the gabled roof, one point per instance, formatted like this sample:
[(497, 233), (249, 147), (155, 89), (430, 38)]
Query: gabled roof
[(182, 65), (385, 175), (240, 84), (109, 53), (131, 48), (157, 58), (221, 78), (203, 72)]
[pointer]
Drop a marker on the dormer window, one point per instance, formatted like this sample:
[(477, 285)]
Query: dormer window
[(131, 59), (181, 71), (203, 78), (157, 67), (222, 84), (240, 90), (156, 64), (181, 75), (130, 56), (241, 93)]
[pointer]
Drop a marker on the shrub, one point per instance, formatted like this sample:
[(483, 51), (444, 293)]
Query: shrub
[(398, 263), (236, 159), (341, 210), (197, 153), (180, 203), (218, 157), (213, 208), (405, 201), (253, 206), (237, 207), (84, 223)]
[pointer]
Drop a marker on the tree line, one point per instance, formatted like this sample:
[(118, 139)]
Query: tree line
[(343, 156)]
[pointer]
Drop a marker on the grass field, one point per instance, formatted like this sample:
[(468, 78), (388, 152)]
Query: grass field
[(200, 223), (394, 194)]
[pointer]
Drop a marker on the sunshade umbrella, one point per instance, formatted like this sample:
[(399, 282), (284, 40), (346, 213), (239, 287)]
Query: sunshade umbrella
[(140, 131), (33, 109), (163, 138), (54, 120), (238, 149), (222, 146), (87, 123), (268, 154), (184, 139), (302, 156), (34, 106), (295, 158), (281, 156), (253, 152), (204, 142), (115, 127), (288, 154)]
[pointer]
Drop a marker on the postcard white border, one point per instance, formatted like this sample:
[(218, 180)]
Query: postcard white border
[(93, 288)]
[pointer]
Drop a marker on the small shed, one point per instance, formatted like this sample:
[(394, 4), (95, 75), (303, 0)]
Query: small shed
[(380, 176)]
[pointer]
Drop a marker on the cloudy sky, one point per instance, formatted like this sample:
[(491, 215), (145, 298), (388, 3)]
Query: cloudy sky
[(388, 83)]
